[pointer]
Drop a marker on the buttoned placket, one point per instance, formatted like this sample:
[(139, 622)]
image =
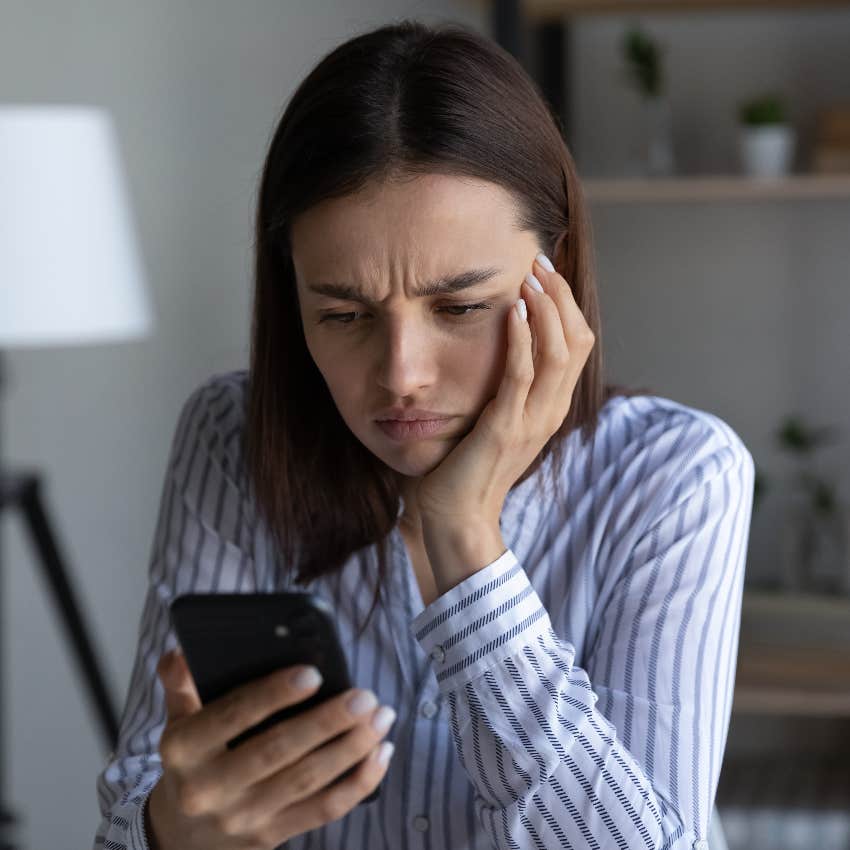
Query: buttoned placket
[(402, 601)]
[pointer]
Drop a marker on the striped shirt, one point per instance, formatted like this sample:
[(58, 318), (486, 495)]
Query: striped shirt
[(574, 693)]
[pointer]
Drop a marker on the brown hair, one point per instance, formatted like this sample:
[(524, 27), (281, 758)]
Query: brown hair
[(402, 100)]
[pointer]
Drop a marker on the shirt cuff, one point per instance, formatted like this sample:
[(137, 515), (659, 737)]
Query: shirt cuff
[(489, 616)]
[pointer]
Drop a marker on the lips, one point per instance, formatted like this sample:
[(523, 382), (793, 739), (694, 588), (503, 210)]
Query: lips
[(411, 414), (416, 429)]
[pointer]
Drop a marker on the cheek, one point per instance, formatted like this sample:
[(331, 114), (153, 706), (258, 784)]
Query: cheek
[(480, 369)]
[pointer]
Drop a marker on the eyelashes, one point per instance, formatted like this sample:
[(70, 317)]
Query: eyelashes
[(338, 318)]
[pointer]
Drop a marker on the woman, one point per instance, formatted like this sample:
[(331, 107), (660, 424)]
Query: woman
[(542, 590)]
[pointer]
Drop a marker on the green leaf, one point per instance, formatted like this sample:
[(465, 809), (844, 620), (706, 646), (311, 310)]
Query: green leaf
[(796, 436), (764, 110), (643, 61)]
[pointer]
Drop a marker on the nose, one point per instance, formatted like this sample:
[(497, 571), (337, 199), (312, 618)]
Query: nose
[(407, 360)]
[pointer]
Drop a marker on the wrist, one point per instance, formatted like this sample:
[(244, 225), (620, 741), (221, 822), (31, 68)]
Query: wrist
[(458, 550), (150, 832)]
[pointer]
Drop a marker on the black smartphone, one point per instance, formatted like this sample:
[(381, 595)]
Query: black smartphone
[(230, 639)]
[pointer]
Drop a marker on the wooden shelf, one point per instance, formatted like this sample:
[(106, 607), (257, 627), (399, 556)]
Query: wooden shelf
[(793, 655), (794, 187), (809, 681), (541, 10)]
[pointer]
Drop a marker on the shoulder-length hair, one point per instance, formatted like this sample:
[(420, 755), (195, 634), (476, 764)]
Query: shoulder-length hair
[(402, 100)]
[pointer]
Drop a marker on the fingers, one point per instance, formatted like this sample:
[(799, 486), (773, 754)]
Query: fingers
[(314, 773), (294, 742), (332, 803), (194, 740), (577, 332), (181, 696), (552, 354), (564, 341)]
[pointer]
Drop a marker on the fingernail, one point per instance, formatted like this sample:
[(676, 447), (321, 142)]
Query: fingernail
[(533, 282), (362, 702), (545, 262), (383, 719), (384, 752), (309, 677), (522, 309)]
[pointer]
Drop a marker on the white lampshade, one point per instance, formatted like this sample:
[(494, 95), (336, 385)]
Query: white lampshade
[(70, 268)]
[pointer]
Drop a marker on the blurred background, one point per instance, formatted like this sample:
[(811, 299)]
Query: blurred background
[(713, 141)]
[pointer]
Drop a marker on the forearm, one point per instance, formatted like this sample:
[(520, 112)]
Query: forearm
[(543, 758), (548, 765)]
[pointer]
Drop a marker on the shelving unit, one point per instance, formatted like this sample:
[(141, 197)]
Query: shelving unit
[(547, 23)]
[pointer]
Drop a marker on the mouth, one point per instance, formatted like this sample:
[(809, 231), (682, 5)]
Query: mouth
[(415, 429)]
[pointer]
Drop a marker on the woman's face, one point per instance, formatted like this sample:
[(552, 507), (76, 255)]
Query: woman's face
[(391, 347)]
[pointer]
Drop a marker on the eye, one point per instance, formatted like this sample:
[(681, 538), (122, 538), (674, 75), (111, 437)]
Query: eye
[(346, 318)]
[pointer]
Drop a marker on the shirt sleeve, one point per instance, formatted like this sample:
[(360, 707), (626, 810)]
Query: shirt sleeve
[(202, 543), (552, 766)]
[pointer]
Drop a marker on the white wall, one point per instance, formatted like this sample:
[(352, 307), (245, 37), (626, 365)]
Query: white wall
[(195, 88)]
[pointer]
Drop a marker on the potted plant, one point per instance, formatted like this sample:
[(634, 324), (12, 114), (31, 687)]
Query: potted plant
[(814, 544), (644, 69), (766, 138)]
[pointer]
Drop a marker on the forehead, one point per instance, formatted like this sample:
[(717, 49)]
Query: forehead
[(405, 224)]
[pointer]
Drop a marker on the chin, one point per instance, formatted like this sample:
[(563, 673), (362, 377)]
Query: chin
[(414, 459), (413, 467)]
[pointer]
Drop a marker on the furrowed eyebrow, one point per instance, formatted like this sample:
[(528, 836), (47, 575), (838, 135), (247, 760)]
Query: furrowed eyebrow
[(442, 286)]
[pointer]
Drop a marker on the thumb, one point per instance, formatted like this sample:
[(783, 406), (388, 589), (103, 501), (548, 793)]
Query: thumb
[(181, 695)]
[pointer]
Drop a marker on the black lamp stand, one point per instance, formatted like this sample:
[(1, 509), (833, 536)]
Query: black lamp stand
[(22, 490)]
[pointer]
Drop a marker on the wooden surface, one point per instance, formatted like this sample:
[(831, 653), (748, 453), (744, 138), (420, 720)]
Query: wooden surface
[(540, 10), (793, 655), (810, 681)]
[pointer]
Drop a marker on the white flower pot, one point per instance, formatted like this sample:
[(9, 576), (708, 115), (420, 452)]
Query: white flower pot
[(658, 136), (767, 151)]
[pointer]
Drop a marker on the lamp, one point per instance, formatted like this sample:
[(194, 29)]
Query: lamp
[(70, 274)]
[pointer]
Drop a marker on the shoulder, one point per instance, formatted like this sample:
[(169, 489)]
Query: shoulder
[(657, 429), (206, 473), (212, 418), (218, 402), (650, 453)]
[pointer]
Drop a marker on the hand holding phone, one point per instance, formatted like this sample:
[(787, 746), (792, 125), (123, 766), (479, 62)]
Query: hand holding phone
[(277, 783)]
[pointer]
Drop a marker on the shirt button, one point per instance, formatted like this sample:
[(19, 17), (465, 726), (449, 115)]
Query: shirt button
[(428, 709), (700, 845), (437, 653), (420, 823)]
